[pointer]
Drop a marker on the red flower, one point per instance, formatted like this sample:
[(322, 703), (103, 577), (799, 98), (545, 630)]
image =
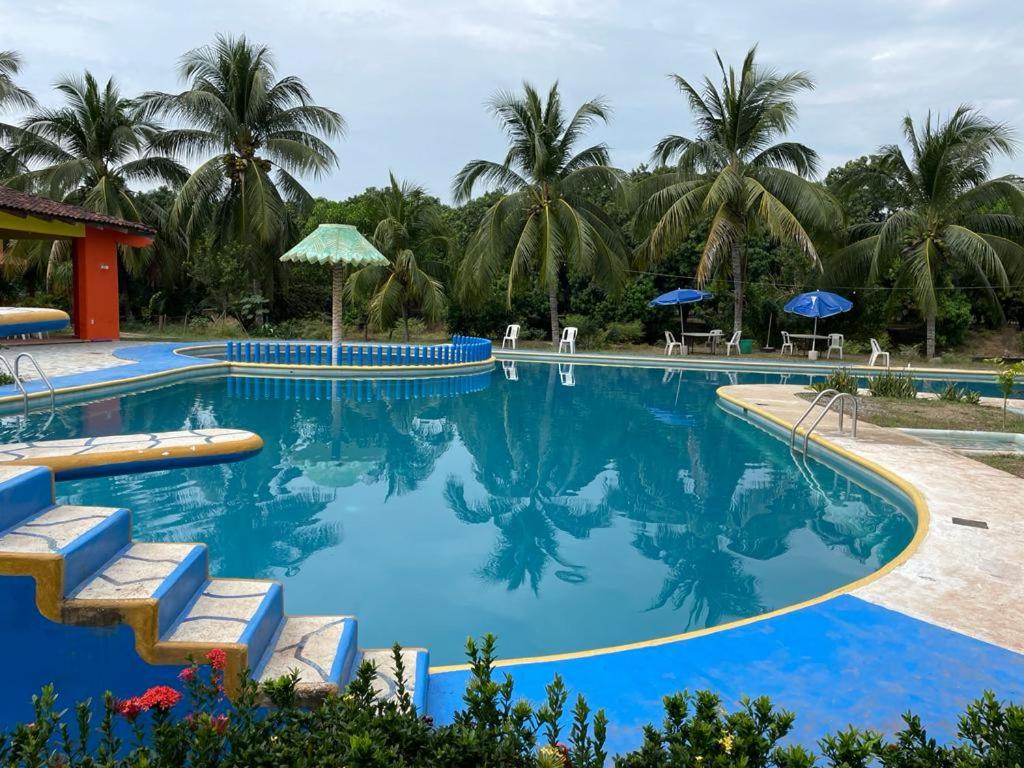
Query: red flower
[(220, 723), (217, 658), (130, 708), (161, 697), (187, 675)]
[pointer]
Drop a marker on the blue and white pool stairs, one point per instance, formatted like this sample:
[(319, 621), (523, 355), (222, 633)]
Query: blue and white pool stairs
[(90, 573)]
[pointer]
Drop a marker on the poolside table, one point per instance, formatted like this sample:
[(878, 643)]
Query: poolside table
[(809, 337), (710, 339)]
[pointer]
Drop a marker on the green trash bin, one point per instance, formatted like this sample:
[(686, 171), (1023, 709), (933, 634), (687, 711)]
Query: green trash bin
[(746, 346)]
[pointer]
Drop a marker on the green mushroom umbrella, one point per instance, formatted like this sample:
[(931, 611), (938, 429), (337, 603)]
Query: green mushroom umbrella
[(338, 245)]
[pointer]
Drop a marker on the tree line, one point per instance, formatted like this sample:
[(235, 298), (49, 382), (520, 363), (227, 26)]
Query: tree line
[(921, 231)]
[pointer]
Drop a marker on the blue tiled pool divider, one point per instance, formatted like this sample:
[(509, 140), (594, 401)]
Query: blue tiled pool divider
[(359, 390), (461, 350)]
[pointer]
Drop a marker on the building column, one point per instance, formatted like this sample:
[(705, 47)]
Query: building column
[(94, 308)]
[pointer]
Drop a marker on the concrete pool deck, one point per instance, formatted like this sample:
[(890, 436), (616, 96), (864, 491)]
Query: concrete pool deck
[(929, 635)]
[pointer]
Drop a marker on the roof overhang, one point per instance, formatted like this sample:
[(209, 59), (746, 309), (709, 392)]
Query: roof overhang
[(15, 227)]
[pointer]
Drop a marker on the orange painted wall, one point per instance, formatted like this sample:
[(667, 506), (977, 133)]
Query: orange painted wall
[(94, 310)]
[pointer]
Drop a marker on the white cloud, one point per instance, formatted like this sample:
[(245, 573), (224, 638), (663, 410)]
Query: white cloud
[(411, 76)]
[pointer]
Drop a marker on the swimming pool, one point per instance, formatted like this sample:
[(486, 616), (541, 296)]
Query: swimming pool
[(560, 508)]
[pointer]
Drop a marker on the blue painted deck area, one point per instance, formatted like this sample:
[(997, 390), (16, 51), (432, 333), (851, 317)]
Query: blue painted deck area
[(838, 662), (140, 360)]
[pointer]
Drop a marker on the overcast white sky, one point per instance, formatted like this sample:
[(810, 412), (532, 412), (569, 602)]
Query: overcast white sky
[(411, 78)]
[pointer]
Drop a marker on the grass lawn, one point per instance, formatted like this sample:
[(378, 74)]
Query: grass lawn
[(937, 414)]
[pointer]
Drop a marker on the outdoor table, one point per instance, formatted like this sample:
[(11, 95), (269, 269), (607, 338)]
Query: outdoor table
[(809, 337), (710, 339)]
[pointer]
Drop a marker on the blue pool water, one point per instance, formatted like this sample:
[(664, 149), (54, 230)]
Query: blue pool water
[(560, 510)]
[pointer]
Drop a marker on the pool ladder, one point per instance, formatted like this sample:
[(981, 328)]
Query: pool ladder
[(834, 396), (15, 373)]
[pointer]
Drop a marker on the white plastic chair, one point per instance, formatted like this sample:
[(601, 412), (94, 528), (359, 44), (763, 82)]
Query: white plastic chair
[(732, 343), (877, 352), (835, 341), (671, 343), (568, 340), (787, 343), (714, 339), (511, 336)]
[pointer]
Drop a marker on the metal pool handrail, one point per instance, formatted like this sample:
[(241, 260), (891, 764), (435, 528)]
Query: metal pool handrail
[(17, 381), (839, 397), (42, 376), (792, 434)]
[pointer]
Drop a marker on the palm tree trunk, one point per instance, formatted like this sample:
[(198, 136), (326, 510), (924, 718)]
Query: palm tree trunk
[(405, 322), (553, 309), (929, 335), (337, 303), (739, 287)]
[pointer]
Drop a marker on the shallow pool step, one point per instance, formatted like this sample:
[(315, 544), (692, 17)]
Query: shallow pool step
[(146, 584), (321, 649), (63, 545), (414, 660), (239, 616)]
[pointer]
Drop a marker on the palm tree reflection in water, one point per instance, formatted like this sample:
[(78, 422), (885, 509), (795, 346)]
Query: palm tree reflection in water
[(702, 492)]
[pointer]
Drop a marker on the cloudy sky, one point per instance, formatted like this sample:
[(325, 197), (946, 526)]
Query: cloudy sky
[(412, 78)]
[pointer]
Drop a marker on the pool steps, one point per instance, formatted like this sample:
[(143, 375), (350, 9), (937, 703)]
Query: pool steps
[(90, 572)]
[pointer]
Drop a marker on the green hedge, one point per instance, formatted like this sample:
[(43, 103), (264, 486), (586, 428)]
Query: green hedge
[(197, 726)]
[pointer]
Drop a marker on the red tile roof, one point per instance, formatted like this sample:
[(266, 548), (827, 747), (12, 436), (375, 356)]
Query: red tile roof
[(24, 204)]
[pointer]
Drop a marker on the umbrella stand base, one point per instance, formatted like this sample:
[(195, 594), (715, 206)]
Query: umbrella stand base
[(684, 350), (812, 354)]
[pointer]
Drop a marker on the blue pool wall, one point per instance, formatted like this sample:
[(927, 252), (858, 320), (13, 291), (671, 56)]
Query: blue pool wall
[(81, 662)]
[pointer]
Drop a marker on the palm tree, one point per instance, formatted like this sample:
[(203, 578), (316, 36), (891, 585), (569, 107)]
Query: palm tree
[(89, 151), (11, 95), (545, 219), (254, 134), (735, 174), (409, 231), (947, 220)]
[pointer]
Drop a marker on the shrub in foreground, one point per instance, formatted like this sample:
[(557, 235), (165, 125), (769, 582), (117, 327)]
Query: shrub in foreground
[(264, 726), (895, 385), (841, 380)]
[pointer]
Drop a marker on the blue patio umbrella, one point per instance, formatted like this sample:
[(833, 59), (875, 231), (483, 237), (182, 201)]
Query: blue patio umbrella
[(679, 296), (817, 304)]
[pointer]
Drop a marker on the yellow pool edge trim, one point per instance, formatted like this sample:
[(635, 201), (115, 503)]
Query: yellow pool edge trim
[(364, 368), (916, 498)]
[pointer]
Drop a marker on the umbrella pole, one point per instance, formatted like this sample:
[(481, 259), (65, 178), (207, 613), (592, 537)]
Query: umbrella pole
[(814, 334), (338, 282), (682, 332)]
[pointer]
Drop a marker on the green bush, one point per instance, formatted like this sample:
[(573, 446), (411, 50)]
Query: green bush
[(311, 328), (891, 384), (840, 380), (197, 727), (953, 394), (625, 333), (591, 335)]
